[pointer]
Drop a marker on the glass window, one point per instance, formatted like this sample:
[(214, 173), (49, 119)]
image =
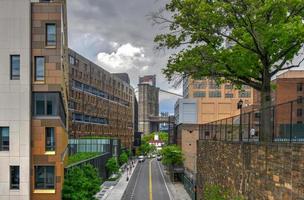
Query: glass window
[(199, 94), (299, 87), (49, 139), (244, 94), (39, 104), (15, 67), (4, 138), (51, 34), (39, 68), (228, 86), (228, 95), (14, 177), (215, 94), (44, 177), (300, 100), (72, 60), (299, 112)]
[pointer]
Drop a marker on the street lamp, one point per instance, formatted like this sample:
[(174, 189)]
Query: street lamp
[(240, 106)]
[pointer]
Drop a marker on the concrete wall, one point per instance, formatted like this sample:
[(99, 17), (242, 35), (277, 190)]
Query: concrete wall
[(257, 171), (15, 95)]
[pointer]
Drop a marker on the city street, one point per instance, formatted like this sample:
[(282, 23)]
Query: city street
[(148, 183)]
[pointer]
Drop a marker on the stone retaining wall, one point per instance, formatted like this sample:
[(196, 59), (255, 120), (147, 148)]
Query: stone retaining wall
[(257, 171)]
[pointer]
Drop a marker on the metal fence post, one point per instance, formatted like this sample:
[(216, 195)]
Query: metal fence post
[(291, 109)]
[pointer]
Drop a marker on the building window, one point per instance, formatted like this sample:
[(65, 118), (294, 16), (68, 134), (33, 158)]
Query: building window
[(14, 177), (244, 94), (228, 86), (4, 138), (48, 104), (51, 34), (299, 87), (44, 177), (199, 94), (215, 94), (49, 139), (39, 68), (300, 100), (299, 112), (299, 122), (71, 60), (228, 95), (15, 67)]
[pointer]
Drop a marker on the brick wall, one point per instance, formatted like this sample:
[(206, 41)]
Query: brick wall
[(256, 171)]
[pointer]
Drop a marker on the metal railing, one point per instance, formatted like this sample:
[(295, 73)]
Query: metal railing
[(287, 125)]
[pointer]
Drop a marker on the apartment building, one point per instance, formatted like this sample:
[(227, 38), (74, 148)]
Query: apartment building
[(100, 103), (215, 101), (33, 128)]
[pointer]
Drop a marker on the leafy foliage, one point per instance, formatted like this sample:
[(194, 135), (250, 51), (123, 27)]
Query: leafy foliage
[(245, 42), (123, 158), (163, 136), (112, 166), (81, 183), (81, 156), (172, 155), (215, 192), (145, 148)]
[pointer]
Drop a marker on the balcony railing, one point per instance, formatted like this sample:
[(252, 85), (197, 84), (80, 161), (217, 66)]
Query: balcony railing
[(287, 125)]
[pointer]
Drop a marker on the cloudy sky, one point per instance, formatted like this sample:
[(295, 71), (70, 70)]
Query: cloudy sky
[(118, 35)]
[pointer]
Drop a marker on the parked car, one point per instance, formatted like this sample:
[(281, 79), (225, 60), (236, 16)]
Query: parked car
[(159, 157), (141, 158)]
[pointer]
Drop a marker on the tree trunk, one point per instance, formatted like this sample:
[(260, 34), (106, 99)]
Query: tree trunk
[(266, 121)]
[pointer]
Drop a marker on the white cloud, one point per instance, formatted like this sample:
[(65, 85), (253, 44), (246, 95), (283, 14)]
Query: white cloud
[(124, 58)]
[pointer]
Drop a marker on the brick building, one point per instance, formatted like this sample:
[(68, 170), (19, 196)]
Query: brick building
[(100, 103)]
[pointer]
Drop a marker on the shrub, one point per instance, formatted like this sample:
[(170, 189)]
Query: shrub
[(112, 166), (215, 192), (81, 183)]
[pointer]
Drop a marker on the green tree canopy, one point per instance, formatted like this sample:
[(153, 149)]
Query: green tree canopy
[(245, 42), (112, 166), (81, 183), (123, 158), (163, 136), (172, 155)]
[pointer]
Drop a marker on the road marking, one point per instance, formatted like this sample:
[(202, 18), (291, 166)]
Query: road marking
[(132, 195), (161, 172), (150, 181)]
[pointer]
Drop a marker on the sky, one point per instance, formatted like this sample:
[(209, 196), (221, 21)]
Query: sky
[(118, 36)]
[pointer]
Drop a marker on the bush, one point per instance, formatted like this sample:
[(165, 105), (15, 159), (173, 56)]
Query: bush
[(81, 156), (215, 192), (112, 166), (123, 158), (81, 183)]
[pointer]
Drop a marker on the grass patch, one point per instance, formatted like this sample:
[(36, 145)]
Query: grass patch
[(81, 156)]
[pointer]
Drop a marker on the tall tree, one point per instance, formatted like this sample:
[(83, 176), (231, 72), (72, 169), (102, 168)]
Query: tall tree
[(245, 42)]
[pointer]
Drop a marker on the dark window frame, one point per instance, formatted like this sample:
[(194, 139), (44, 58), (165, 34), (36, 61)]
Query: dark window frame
[(2, 146), (299, 87), (299, 112), (52, 145), (35, 61), (48, 41), (14, 186), (13, 76), (47, 186)]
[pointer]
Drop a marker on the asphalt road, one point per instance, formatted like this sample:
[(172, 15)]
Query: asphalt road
[(147, 183)]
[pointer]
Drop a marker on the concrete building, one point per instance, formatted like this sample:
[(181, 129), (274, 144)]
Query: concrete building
[(186, 111), (15, 95), (215, 101), (33, 136), (148, 104), (100, 103)]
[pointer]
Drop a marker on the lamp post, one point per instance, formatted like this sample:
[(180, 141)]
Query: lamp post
[(239, 106)]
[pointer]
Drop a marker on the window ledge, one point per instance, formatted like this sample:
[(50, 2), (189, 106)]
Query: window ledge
[(50, 153), (50, 47), (46, 191)]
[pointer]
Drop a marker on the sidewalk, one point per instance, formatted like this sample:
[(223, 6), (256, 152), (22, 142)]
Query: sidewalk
[(177, 189), (116, 192)]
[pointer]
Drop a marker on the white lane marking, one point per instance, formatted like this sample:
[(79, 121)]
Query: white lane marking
[(161, 172), (132, 194)]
